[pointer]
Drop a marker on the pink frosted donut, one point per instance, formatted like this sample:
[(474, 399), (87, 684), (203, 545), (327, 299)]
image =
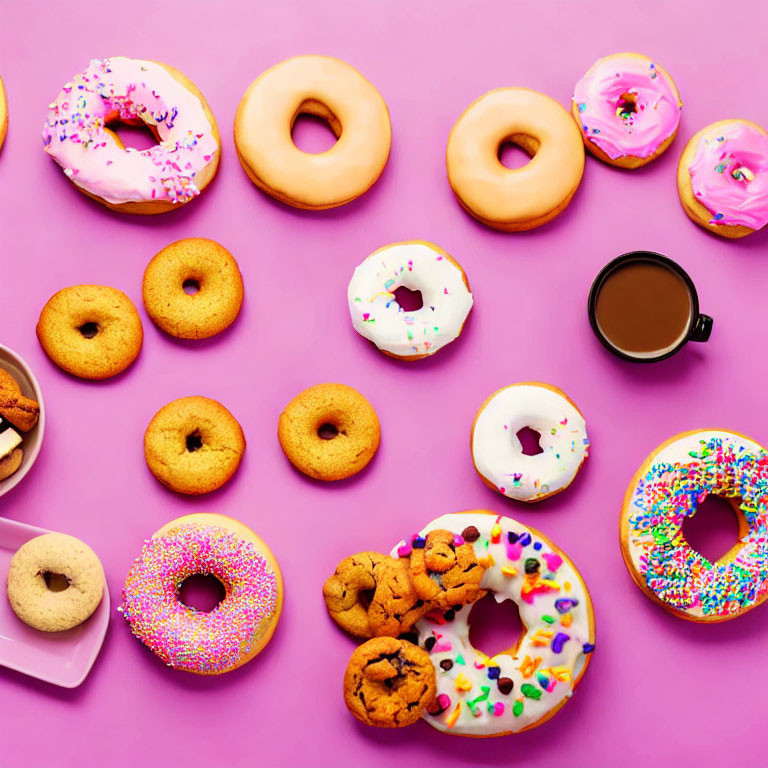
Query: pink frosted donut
[(235, 630), (722, 178), (76, 135), (628, 108)]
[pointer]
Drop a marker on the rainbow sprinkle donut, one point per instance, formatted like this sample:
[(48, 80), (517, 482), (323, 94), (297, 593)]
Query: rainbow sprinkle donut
[(722, 178), (183, 637), (133, 91), (521, 687), (667, 488), (628, 108)]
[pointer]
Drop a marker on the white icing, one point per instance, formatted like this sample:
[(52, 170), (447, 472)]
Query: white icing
[(453, 640), (10, 439), (498, 454), (377, 316)]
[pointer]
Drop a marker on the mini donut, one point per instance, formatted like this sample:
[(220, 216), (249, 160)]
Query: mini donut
[(329, 432), (722, 178), (517, 199), (419, 266), (628, 109), (3, 114), (132, 91), (30, 584), (203, 264), (193, 445), (90, 331), (232, 633), (525, 685), (667, 489), (389, 683), (329, 89), (497, 452), (371, 595)]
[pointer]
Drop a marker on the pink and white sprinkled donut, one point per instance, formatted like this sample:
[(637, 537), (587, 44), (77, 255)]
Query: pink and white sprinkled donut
[(722, 178), (628, 108), (132, 91), (235, 630)]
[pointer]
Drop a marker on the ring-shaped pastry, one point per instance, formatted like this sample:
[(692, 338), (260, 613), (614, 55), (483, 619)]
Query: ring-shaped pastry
[(329, 89), (516, 199)]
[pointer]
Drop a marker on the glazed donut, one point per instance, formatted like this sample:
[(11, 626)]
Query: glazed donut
[(329, 432), (66, 561), (90, 331), (203, 264), (497, 452), (527, 684), (132, 91), (3, 113), (235, 630), (522, 198), (418, 266), (722, 178), (332, 90), (667, 489), (628, 109), (193, 445)]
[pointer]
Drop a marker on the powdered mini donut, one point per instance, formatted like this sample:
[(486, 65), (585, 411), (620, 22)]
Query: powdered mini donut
[(90, 331), (76, 135), (722, 178), (521, 198), (330, 89), (55, 582), (498, 453), (235, 630), (628, 109), (527, 684), (418, 266), (329, 431), (193, 445), (667, 489), (203, 265)]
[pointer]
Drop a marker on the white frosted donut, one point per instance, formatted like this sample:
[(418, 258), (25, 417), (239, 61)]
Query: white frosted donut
[(419, 266), (525, 685), (77, 136), (498, 454)]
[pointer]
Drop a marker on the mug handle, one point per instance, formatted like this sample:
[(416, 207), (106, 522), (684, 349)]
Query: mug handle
[(702, 328)]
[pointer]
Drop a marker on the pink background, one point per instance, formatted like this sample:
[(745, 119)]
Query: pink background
[(659, 688)]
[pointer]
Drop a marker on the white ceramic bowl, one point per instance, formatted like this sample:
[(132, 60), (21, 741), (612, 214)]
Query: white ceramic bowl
[(33, 439)]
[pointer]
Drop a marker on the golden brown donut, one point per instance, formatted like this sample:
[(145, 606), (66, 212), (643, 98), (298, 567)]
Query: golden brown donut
[(204, 265), (327, 88), (90, 331), (193, 445), (329, 431)]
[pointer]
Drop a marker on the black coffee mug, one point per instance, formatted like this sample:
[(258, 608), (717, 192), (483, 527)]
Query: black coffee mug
[(698, 327)]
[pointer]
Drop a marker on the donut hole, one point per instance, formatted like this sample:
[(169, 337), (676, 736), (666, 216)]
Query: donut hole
[(191, 286), (408, 300), (202, 591), (365, 597), (136, 135), (495, 627), (56, 582), (626, 106), (529, 441), (517, 151), (714, 528), (194, 441), (88, 330), (315, 128), (327, 431)]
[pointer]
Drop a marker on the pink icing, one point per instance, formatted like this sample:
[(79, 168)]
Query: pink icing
[(728, 174), (129, 90), (607, 118), (182, 636)]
